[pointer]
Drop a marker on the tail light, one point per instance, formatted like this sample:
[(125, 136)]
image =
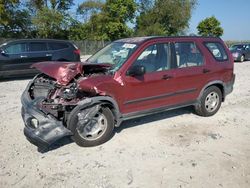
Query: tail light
[(78, 52)]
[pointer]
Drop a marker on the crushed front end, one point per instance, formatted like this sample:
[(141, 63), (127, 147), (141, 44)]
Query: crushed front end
[(50, 97), (45, 105)]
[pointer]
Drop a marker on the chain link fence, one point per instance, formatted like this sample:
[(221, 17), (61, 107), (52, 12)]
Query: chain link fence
[(89, 47)]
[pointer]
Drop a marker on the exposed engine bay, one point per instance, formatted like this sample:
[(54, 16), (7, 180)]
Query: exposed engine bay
[(59, 99), (48, 88)]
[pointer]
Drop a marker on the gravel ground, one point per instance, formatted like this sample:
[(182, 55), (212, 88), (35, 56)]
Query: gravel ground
[(170, 149)]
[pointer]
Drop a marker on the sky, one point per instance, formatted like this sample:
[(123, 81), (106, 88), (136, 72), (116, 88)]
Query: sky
[(234, 16)]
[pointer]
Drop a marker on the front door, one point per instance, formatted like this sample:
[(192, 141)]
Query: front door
[(154, 89), (12, 59)]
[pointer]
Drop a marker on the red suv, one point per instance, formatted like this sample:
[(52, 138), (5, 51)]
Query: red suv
[(128, 78)]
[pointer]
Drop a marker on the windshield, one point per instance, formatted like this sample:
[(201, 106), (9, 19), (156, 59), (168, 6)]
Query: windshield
[(115, 54), (236, 47)]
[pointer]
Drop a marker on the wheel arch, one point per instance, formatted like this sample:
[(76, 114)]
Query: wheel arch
[(216, 83), (103, 101)]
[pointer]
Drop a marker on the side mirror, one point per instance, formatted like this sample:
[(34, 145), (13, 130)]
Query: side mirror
[(137, 70)]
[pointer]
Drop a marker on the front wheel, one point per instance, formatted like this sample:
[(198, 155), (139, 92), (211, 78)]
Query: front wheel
[(210, 102), (91, 126)]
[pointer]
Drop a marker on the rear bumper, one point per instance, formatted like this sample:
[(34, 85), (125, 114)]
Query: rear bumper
[(228, 87), (47, 129), (236, 58)]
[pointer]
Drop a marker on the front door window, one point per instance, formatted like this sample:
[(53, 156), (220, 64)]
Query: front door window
[(154, 58), (16, 48)]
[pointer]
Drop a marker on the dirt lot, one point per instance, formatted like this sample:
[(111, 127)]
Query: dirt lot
[(171, 149)]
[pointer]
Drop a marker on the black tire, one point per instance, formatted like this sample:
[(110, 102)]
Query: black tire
[(202, 109), (86, 142)]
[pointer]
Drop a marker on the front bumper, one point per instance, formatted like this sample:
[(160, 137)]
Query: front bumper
[(48, 129)]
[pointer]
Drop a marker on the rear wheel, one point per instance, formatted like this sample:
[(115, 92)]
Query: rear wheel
[(242, 58), (91, 126), (210, 102)]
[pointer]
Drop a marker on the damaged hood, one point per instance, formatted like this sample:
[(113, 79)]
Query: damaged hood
[(64, 72)]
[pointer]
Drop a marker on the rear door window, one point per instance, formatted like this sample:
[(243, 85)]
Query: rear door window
[(57, 46), (37, 46), (16, 48), (187, 55), (217, 50)]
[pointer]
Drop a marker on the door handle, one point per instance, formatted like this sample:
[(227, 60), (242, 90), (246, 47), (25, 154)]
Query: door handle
[(23, 56), (206, 70), (166, 77), (48, 55)]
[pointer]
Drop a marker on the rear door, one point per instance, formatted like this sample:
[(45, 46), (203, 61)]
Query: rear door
[(191, 70), (38, 52), (62, 51)]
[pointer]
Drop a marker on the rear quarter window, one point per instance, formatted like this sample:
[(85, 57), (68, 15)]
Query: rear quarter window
[(57, 46), (217, 50)]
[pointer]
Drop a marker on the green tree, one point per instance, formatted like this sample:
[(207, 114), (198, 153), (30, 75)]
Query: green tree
[(15, 22), (51, 23), (77, 30), (90, 7), (117, 14), (210, 27), (164, 17), (60, 5), (51, 18), (144, 5), (108, 21), (122, 10), (6, 9)]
